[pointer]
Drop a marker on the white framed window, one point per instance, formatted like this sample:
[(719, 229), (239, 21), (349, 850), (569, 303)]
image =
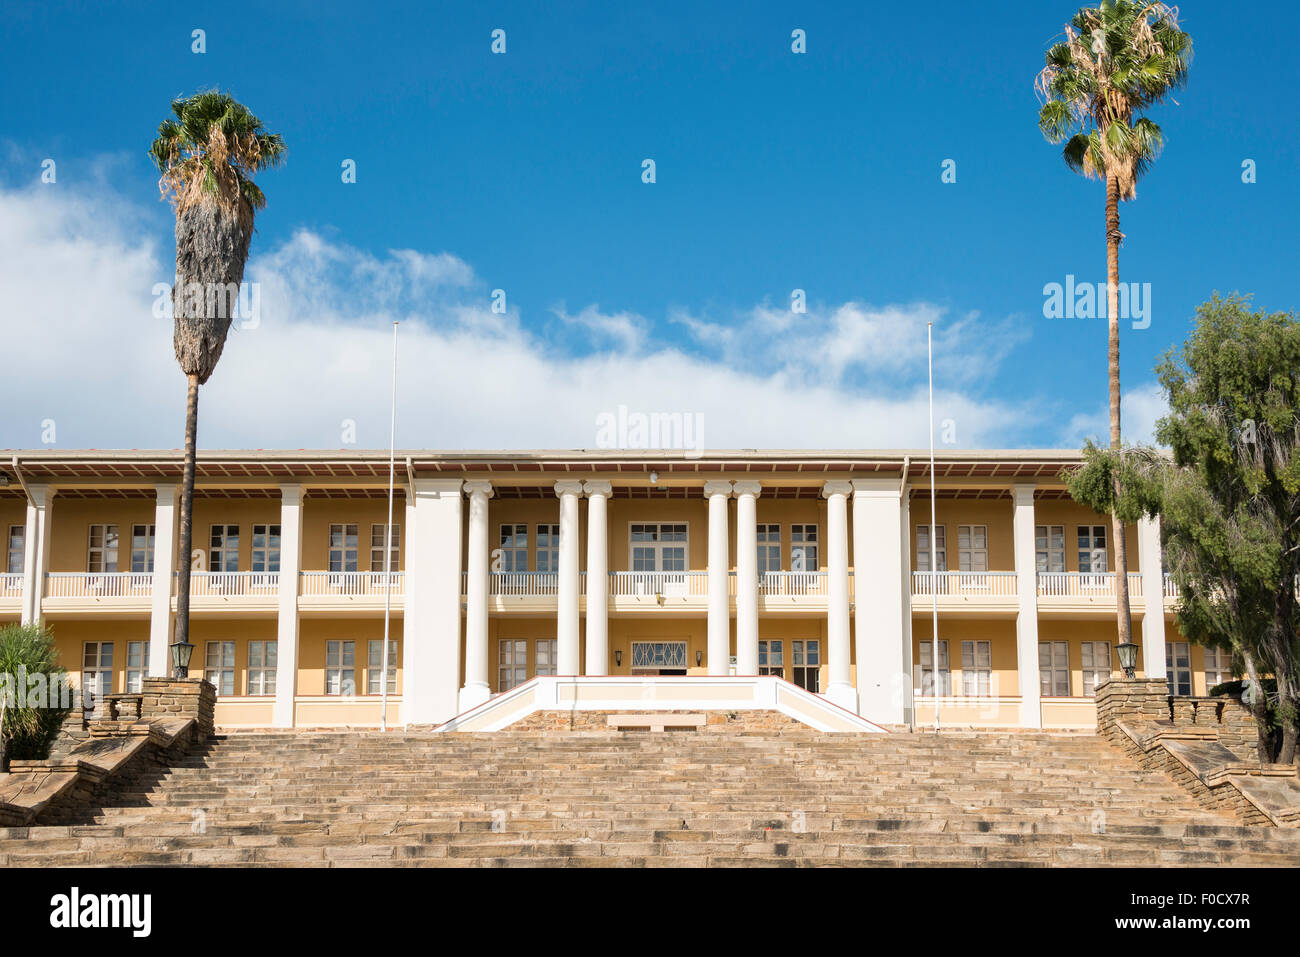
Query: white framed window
[(375, 665), (137, 665), (1095, 658), (548, 548), (377, 535), (219, 666), (545, 656), (659, 657), (1178, 667), (805, 656), (923, 548), (1218, 667), (223, 548), (341, 667), (266, 548), (142, 548), (17, 549), (771, 659), (101, 554), (927, 669), (1093, 555), (973, 548), (262, 660), (657, 546), (804, 543), (512, 543), (769, 548), (343, 548), (512, 663), (1049, 548), (1054, 668), (96, 671), (976, 669)]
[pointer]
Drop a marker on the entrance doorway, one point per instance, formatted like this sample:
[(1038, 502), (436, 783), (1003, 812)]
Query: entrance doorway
[(658, 657)]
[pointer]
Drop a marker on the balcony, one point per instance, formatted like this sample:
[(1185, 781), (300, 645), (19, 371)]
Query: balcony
[(1082, 591), (966, 591), (344, 592), (128, 592), (223, 591), (11, 593)]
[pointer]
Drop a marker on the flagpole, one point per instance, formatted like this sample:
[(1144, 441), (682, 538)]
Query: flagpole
[(934, 551), (388, 542)]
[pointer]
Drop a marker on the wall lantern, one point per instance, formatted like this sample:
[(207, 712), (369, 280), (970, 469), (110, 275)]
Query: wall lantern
[(1128, 653)]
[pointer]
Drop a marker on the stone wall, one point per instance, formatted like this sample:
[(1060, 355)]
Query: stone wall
[(180, 698), (1147, 701)]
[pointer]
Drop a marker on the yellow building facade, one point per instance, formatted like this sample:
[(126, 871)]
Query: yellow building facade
[(817, 569)]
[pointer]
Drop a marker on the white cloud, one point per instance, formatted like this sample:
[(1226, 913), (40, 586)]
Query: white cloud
[(1139, 410), (88, 353)]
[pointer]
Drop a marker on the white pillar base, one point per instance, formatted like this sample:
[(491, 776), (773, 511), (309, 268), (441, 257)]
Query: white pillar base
[(844, 695), (472, 695)]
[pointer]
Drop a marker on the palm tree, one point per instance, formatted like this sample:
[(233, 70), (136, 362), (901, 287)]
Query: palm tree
[(207, 153), (1116, 60)]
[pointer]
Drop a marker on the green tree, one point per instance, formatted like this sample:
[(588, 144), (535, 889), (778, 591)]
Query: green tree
[(30, 713), (1117, 60), (208, 153)]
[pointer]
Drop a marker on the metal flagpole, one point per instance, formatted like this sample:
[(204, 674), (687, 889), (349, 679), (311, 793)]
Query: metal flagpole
[(934, 551), (388, 542)]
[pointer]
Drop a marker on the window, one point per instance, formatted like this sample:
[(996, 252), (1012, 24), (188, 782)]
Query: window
[(341, 667), (17, 543), (343, 548), (261, 667), (223, 548), (1054, 668), (96, 671), (658, 548), (102, 554), (266, 548), (803, 548), (137, 665), (806, 658), (513, 546), (512, 664), (1178, 667), (142, 548), (976, 669), (545, 656), (659, 657), (1092, 549), (548, 548), (923, 548), (1049, 545), (973, 548), (219, 666), (927, 670), (375, 664), (1096, 665), (769, 548), (377, 535), (770, 660), (1218, 667)]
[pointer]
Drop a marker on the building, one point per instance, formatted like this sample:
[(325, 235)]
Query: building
[(816, 567)]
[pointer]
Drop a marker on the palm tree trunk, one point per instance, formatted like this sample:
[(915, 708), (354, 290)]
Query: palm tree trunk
[(187, 510), (1123, 612)]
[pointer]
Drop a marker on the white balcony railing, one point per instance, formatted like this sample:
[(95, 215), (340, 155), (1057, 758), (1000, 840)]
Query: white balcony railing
[(98, 584), (233, 584), (668, 584), (793, 583), (1084, 584), (1170, 589), (966, 584), (350, 584), (11, 585)]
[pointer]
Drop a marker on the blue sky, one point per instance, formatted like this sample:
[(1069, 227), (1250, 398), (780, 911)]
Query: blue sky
[(775, 171)]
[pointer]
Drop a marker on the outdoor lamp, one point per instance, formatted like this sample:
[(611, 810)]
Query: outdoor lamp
[(699, 657), (1128, 654), (618, 658), (181, 652)]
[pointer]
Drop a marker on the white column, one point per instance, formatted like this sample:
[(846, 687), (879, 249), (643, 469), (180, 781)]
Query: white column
[(882, 603), (166, 519), (431, 626), (477, 688), (1153, 598), (747, 577), (597, 577), (841, 690), (719, 629), (1026, 559), (568, 658), (36, 550), (286, 628)]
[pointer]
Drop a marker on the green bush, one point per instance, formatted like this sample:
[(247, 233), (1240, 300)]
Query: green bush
[(28, 730)]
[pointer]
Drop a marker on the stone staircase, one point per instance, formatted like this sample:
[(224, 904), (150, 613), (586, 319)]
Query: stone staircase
[(650, 799)]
